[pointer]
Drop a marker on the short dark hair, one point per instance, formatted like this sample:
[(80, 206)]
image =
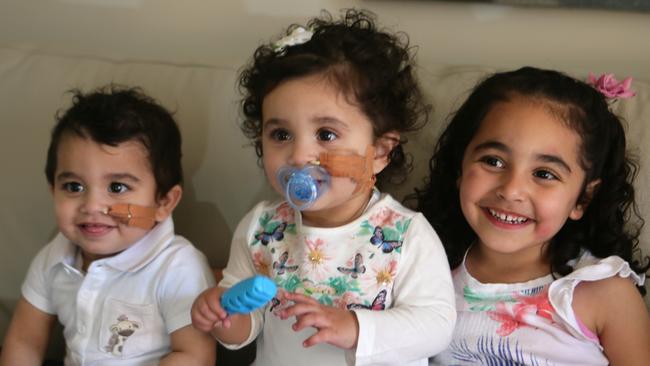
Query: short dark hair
[(114, 114), (371, 65)]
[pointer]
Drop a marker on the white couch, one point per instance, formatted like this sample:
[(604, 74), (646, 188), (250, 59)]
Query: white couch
[(222, 178)]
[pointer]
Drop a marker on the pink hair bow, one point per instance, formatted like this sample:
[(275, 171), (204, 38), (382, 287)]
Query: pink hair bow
[(610, 87)]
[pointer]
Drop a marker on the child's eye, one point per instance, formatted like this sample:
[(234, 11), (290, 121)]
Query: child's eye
[(280, 134), (545, 174), (73, 187), (117, 187), (327, 135), (493, 161)]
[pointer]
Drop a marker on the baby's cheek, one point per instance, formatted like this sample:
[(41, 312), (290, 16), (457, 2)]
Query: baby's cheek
[(273, 181)]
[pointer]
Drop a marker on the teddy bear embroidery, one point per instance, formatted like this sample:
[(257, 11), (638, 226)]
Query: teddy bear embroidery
[(120, 332)]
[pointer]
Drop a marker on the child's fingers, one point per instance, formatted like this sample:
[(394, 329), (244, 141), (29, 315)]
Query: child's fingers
[(201, 323), (314, 339), (325, 335), (205, 313), (210, 311), (213, 301), (201, 314), (203, 326), (300, 298), (332, 336), (216, 310), (312, 319), (298, 310)]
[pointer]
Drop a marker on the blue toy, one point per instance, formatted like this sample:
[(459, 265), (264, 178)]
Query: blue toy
[(248, 295)]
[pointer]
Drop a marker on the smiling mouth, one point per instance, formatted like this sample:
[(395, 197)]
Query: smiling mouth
[(95, 228), (507, 218)]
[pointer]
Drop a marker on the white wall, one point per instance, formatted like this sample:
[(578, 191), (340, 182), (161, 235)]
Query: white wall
[(224, 32)]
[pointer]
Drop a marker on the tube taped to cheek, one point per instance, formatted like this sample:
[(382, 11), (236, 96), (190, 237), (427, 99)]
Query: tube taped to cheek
[(355, 167), (133, 215)]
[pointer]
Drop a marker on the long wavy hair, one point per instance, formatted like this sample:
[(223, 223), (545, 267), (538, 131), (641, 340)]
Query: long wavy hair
[(611, 223), (374, 67)]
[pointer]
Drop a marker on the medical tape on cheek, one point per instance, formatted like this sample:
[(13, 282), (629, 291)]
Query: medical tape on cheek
[(133, 215), (356, 167)]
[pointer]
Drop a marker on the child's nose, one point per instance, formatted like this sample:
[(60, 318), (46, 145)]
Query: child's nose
[(94, 202), (513, 187), (303, 152)]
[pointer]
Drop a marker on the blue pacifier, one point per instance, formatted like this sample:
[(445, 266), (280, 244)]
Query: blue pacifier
[(303, 186)]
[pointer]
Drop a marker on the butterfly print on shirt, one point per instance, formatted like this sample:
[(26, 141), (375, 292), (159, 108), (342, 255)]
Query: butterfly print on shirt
[(357, 268), (379, 303), (386, 246), (276, 234), (281, 265)]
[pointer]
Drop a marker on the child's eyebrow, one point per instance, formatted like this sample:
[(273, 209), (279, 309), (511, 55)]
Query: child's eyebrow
[(491, 144), (66, 175), (331, 121), (271, 122), (123, 176), (553, 159)]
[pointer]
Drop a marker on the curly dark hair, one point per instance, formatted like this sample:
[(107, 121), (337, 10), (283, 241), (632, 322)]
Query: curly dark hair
[(611, 223), (114, 114), (371, 65)]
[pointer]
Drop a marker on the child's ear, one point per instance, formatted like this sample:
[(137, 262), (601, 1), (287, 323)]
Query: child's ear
[(383, 146), (584, 200), (168, 203)]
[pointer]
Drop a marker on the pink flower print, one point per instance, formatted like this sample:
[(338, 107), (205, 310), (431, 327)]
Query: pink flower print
[(262, 263), (513, 317), (315, 252), (386, 274), (284, 213), (385, 217), (316, 257), (610, 87), (539, 302), (508, 321)]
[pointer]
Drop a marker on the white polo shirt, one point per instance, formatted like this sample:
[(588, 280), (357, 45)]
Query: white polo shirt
[(124, 308)]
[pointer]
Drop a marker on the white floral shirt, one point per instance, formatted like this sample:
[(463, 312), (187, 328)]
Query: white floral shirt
[(388, 266)]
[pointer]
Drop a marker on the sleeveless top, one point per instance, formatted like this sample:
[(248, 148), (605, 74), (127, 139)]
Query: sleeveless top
[(529, 323)]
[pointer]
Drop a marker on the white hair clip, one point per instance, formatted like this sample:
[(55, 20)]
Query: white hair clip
[(298, 35)]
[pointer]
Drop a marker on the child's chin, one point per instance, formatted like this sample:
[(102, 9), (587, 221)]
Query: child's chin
[(311, 209)]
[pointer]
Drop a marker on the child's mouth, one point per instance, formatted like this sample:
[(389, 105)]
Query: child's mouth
[(94, 229), (507, 218)]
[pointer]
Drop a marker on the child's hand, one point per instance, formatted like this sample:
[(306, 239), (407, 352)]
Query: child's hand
[(337, 327), (207, 312)]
